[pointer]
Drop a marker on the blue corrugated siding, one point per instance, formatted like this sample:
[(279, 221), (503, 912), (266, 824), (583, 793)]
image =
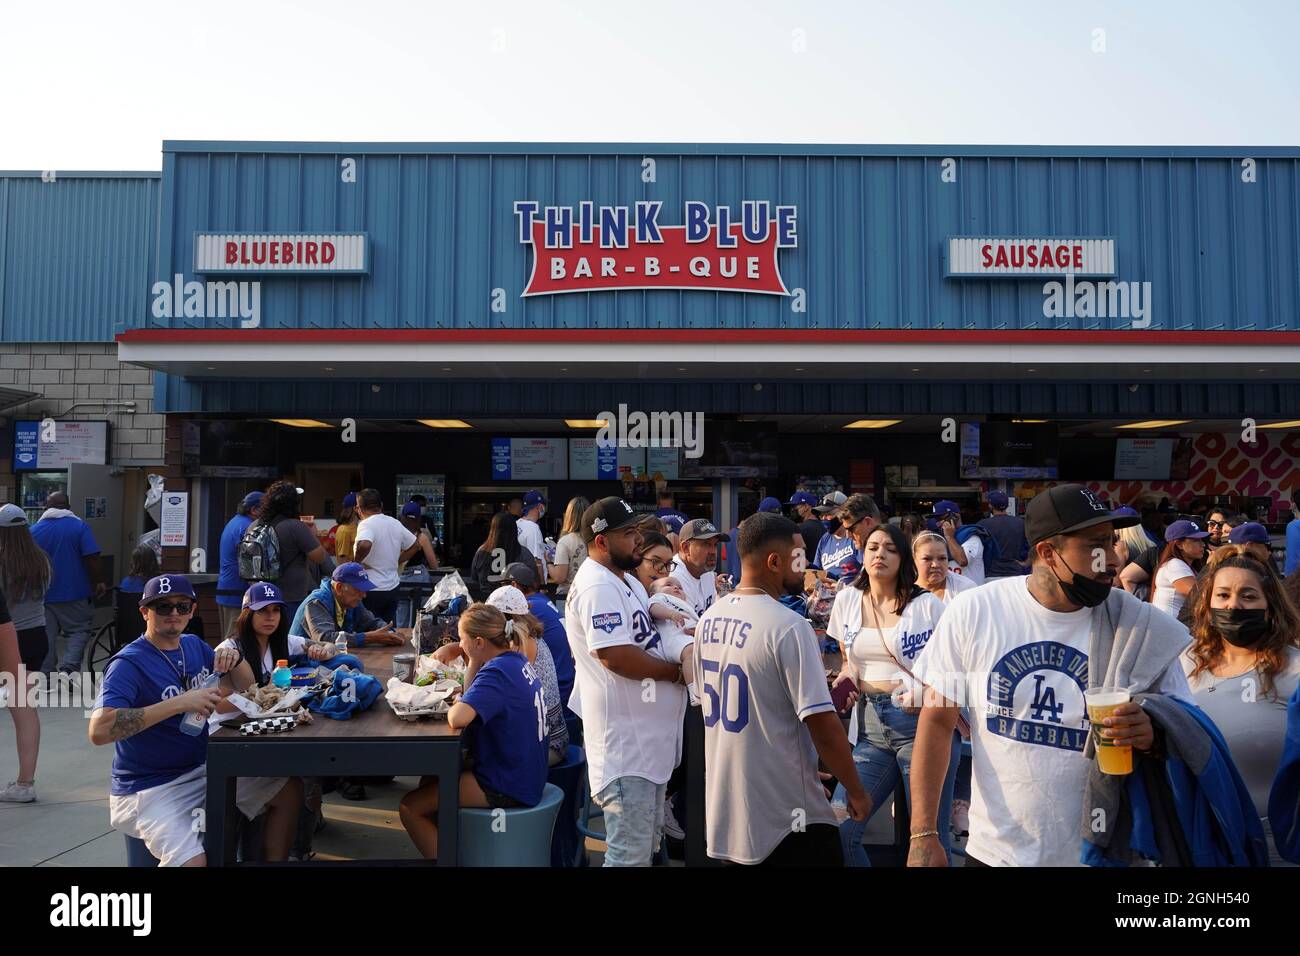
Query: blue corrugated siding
[(1219, 253), (76, 255)]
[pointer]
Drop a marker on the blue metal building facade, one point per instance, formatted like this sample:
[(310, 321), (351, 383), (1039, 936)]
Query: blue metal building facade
[(1220, 252), (76, 254)]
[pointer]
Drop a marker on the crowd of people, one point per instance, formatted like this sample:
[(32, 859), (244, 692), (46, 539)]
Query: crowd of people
[(961, 657)]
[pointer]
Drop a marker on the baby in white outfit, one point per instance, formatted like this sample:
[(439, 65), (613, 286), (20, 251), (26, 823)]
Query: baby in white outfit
[(675, 620)]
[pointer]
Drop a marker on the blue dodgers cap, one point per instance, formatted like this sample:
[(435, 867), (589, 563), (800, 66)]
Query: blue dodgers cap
[(533, 499), (167, 586), (1184, 529), (261, 594), (945, 507), (1126, 511), (353, 573), (770, 504), (350, 500), (252, 499), (1252, 532), (998, 499), (411, 510), (802, 498)]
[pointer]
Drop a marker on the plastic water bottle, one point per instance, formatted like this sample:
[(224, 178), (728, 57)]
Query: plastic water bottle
[(282, 677), (194, 722), (340, 644)]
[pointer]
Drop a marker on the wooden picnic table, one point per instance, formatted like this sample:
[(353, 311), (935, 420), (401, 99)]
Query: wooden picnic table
[(372, 743)]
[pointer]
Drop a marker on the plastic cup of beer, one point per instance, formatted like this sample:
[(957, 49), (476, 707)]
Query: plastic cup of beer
[(1114, 759)]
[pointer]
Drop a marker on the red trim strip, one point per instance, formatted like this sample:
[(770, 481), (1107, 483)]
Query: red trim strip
[(622, 336)]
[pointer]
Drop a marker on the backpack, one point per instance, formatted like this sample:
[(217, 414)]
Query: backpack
[(259, 553), (991, 550)]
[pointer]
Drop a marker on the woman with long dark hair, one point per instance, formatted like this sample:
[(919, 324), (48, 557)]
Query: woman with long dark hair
[(24, 579), (1243, 665), (299, 548), (499, 551), (882, 621), (1181, 559)]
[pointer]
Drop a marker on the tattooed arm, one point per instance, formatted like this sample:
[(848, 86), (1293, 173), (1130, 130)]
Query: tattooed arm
[(111, 724)]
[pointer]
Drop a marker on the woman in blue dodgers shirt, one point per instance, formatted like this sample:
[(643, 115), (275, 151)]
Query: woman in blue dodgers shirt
[(882, 620), (159, 782), (504, 715)]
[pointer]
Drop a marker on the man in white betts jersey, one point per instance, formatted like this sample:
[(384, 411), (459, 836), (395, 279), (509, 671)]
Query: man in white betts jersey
[(630, 702), (697, 556), (768, 714), (1016, 652)]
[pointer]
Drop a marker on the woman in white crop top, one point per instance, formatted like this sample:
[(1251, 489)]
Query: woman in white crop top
[(882, 621)]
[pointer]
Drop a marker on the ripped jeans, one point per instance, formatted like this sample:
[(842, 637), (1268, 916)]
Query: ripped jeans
[(881, 753)]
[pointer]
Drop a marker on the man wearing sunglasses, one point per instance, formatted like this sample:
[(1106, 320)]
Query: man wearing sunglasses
[(150, 686)]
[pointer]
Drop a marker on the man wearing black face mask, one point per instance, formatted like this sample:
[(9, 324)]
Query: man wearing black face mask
[(1016, 651)]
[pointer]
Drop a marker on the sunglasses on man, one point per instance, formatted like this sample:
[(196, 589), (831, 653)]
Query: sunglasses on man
[(164, 609)]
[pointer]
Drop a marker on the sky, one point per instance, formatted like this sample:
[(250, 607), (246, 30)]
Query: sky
[(99, 86)]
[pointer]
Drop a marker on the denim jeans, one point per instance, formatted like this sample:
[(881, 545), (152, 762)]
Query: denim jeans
[(634, 820), (881, 753), (74, 619)]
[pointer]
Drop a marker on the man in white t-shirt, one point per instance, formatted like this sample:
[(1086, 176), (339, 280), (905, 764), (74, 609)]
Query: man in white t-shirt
[(966, 557), (383, 543), (1015, 651), (530, 532), (697, 556), (631, 704), (768, 714)]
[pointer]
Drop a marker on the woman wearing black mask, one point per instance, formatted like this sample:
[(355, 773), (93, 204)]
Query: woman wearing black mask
[(1244, 664)]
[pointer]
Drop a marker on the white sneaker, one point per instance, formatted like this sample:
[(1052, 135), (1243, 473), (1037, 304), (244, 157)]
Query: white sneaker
[(961, 817), (671, 826), (18, 793)]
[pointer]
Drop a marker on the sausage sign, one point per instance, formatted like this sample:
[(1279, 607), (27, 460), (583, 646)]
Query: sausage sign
[(590, 248)]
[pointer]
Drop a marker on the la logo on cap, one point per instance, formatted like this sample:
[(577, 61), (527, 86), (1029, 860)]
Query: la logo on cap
[(1094, 500)]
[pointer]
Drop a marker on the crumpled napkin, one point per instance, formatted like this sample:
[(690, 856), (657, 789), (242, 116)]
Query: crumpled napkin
[(420, 698)]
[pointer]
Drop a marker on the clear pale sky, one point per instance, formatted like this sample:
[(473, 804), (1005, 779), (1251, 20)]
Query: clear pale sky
[(94, 85)]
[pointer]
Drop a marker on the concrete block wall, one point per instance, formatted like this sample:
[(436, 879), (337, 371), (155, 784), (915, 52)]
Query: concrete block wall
[(68, 373)]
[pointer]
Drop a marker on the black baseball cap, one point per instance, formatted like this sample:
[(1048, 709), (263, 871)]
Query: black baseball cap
[(607, 514), (1066, 509)]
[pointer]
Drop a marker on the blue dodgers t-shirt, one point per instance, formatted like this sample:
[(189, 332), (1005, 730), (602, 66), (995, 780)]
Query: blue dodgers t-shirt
[(141, 675), (229, 579), (508, 737), (837, 556), (557, 641), (66, 541)]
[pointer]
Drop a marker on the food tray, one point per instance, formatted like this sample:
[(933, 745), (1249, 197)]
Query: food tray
[(438, 711)]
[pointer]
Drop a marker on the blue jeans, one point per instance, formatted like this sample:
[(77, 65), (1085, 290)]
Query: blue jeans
[(881, 753), (633, 809)]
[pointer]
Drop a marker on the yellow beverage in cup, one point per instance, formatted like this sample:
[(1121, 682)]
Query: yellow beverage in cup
[(1111, 758)]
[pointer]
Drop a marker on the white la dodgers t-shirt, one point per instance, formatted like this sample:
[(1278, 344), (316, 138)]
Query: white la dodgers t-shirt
[(625, 735), (1024, 670), (701, 591)]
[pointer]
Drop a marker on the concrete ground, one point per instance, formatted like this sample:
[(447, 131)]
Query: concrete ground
[(68, 825)]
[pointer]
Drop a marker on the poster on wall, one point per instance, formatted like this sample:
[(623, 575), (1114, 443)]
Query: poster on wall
[(174, 524), (530, 459)]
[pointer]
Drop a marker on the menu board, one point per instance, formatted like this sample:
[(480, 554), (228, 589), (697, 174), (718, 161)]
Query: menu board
[(530, 459), (665, 461), (631, 460), (55, 445), (590, 462), (1143, 458)]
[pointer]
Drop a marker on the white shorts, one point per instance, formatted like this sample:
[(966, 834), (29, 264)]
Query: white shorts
[(169, 817)]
